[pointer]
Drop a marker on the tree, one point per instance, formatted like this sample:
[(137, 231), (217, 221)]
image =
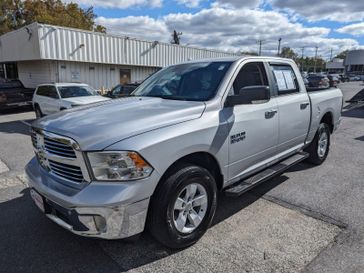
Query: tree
[(287, 52), (16, 13), (249, 53), (342, 55)]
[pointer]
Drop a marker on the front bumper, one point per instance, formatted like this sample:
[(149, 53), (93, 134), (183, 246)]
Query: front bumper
[(100, 209)]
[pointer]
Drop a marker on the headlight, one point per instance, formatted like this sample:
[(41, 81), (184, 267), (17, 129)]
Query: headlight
[(119, 166)]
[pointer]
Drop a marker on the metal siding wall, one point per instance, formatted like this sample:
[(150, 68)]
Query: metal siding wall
[(18, 46), (101, 75), (33, 73), (65, 44)]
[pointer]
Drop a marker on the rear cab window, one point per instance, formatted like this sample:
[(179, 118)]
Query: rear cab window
[(284, 79)]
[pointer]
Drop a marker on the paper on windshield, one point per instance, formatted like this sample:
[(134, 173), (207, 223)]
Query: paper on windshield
[(289, 80), (280, 79)]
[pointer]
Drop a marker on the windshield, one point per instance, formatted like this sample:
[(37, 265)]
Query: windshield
[(194, 81), (76, 91)]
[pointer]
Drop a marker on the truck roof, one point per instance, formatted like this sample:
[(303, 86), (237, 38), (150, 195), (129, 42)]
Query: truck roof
[(236, 58)]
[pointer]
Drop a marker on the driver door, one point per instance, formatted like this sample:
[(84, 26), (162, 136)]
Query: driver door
[(254, 127)]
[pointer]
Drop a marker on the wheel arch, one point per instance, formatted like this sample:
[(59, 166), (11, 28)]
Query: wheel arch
[(203, 159), (328, 118)]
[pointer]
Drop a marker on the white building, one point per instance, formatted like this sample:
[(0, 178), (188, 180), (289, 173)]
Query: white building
[(335, 66), (354, 62), (40, 53)]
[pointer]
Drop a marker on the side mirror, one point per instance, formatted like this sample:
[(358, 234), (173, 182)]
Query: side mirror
[(249, 95)]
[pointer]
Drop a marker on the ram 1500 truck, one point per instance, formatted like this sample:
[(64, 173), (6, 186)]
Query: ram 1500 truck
[(158, 159)]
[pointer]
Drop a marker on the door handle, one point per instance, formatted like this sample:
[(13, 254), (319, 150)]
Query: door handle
[(271, 113), (304, 105)]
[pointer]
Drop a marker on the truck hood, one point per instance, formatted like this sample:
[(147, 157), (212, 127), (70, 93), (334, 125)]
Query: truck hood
[(102, 124), (85, 99)]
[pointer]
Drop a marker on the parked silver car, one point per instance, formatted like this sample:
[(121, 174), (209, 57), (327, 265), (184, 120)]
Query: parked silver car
[(160, 157)]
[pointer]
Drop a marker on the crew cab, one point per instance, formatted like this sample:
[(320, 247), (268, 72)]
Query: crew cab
[(158, 158), (14, 94), (52, 98)]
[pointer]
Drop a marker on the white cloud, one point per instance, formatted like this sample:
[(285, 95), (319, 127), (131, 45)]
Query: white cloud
[(315, 10), (189, 3), (238, 3), (120, 4), (231, 29), (353, 29), (143, 27)]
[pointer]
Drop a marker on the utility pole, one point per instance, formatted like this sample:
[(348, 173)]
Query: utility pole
[(260, 47), (279, 46), (314, 69), (302, 50), (331, 55)]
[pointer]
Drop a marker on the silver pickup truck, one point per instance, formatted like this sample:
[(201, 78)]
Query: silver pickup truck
[(158, 158)]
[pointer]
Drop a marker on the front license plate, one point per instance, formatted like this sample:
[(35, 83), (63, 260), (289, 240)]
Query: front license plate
[(38, 199)]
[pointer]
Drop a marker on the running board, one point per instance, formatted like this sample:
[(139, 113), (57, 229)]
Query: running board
[(244, 185)]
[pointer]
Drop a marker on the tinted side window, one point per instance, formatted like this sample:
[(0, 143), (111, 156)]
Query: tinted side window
[(47, 91), (285, 79), (128, 89), (53, 92), (42, 91), (251, 74)]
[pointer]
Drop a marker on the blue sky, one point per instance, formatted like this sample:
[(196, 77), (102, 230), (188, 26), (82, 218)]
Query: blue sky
[(236, 25)]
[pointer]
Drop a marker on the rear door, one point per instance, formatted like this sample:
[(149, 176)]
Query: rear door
[(254, 127), (54, 103), (48, 99), (294, 109)]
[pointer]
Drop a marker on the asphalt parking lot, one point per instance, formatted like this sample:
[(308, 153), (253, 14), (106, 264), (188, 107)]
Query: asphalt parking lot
[(309, 219)]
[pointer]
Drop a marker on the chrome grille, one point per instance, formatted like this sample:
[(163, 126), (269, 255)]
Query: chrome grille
[(55, 147), (70, 172), (34, 138), (60, 156)]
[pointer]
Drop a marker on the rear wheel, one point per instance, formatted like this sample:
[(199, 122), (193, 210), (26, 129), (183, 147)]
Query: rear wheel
[(183, 206), (320, 146), (38, 112)]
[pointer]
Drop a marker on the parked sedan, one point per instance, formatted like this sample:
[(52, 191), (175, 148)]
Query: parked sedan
[(317, 82), (122, 90), (52, 98)]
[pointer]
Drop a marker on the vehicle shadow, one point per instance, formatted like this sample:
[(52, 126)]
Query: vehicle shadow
[(16, 110), (15, 127), (354, 113), (32, 243)]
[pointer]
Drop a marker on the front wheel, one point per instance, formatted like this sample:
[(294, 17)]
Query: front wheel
[(183, 206), (320, 146)]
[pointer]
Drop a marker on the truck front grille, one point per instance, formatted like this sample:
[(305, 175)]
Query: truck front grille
[(60, 156), (55, 147), (69, 172)]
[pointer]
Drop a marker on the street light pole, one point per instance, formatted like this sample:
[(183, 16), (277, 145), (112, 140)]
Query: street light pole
[(260, 47), (279, 46), (302, 50), (314, 69)]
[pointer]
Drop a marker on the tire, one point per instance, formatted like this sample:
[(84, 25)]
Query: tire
[(38, 112), (165, 222), (318, 153)]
